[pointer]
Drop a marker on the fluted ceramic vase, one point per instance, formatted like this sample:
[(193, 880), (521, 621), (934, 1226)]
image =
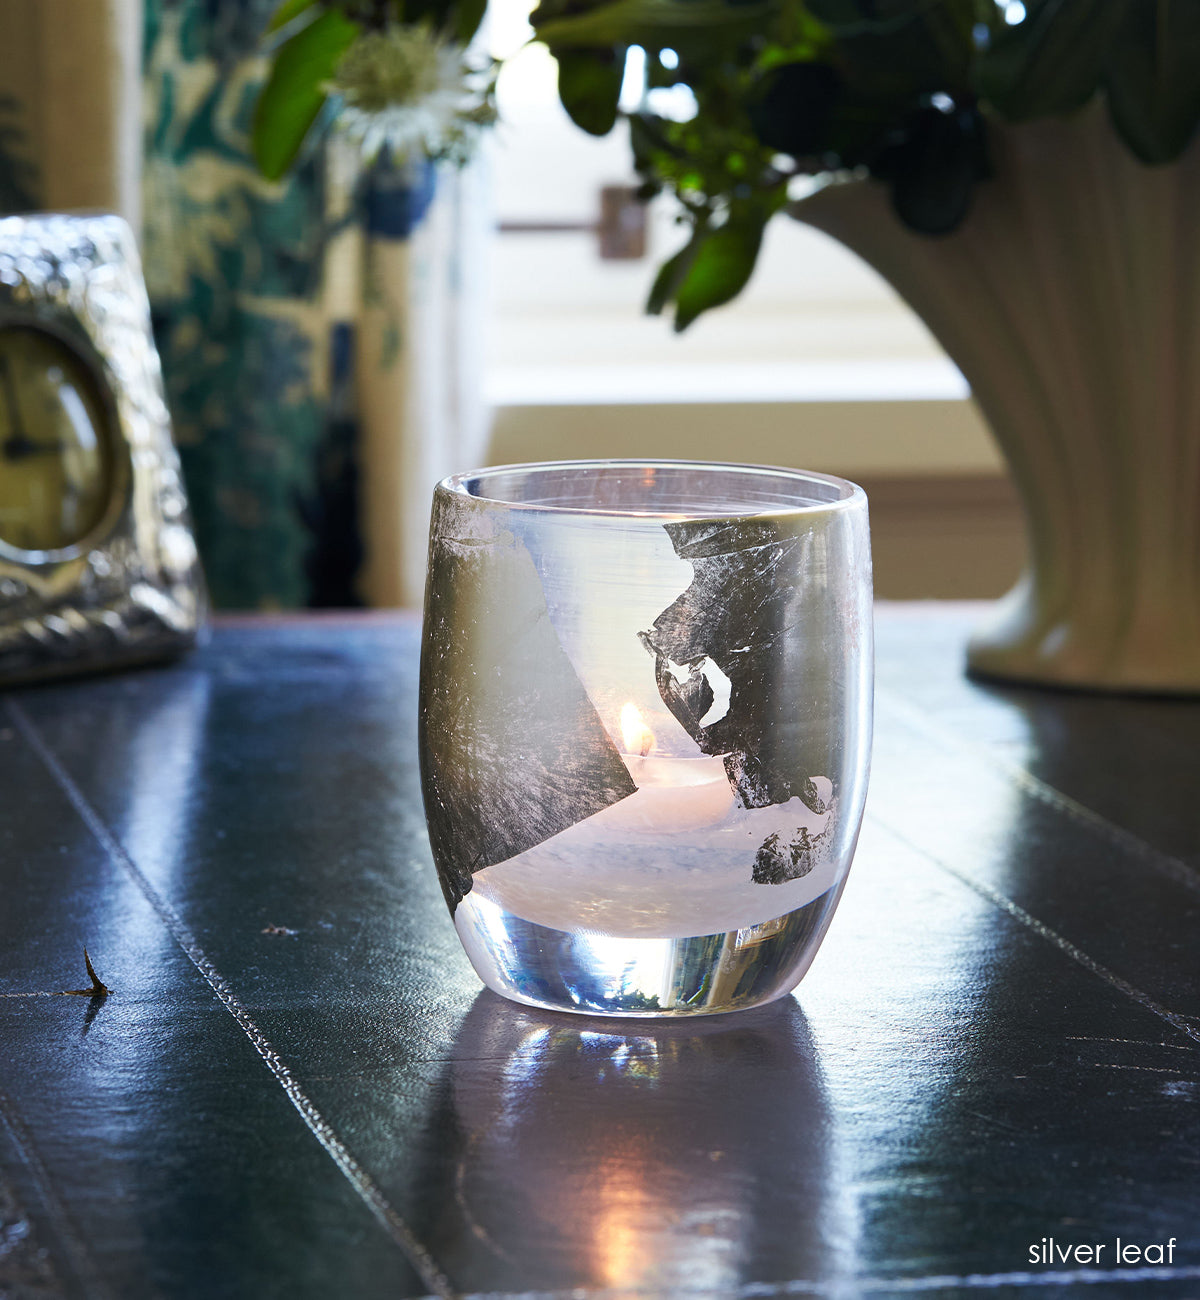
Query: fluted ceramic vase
[(1070, 300)]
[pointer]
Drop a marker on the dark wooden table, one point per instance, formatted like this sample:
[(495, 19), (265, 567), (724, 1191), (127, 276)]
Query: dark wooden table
[(297, 1089)]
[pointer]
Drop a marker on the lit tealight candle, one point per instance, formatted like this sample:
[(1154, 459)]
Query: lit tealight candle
[(674, 794)]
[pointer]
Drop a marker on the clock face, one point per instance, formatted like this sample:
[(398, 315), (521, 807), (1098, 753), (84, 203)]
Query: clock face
[(56, 443)]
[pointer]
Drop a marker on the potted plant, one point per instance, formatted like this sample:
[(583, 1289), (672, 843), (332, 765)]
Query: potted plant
[(1025, 176)]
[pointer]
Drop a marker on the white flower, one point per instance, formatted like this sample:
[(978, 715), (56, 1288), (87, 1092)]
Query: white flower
[(412, 93)]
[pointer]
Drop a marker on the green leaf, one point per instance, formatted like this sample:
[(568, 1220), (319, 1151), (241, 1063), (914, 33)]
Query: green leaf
[(468, 14), (721, 265), (286, 12), (457, 18), (647, 139), (670, 276), (795, 107), (652, 23), (589, 85), (934, 171), (1152, 82), (1052, 62), (923, 55), (850, 17), (294, 93), (889, 47)]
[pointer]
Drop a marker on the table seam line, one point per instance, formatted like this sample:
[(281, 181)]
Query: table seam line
[(364, 1186), (79, 1261), (1044, 931), (1035, 788)]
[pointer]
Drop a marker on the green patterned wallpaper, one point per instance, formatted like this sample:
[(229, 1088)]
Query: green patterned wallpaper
[(234, 267)]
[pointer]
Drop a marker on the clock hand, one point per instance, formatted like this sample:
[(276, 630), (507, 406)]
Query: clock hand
[(20, 446), (10, 397)]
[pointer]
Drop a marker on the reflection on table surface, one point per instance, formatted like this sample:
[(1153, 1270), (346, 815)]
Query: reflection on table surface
[(680, 1154)]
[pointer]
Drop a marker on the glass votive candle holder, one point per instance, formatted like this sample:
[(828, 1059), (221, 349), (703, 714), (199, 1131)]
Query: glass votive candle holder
[(645, 726)]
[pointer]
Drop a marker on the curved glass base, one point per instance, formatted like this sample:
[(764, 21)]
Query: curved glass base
[(599, 974)]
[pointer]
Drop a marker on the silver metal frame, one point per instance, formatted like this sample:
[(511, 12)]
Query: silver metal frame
[(131, 590)]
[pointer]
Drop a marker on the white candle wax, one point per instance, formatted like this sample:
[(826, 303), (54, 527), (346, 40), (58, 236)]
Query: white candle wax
[(674, 794)]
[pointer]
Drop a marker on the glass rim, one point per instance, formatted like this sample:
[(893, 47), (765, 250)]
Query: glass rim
[(850, 495)]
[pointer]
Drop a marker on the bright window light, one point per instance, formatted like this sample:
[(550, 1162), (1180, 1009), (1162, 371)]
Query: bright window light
[(633, 87)]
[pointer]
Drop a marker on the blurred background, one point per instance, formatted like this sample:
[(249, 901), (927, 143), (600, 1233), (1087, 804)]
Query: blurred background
[(335, 342)]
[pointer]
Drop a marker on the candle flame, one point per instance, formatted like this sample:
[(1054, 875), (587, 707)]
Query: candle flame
[(636, 737)]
